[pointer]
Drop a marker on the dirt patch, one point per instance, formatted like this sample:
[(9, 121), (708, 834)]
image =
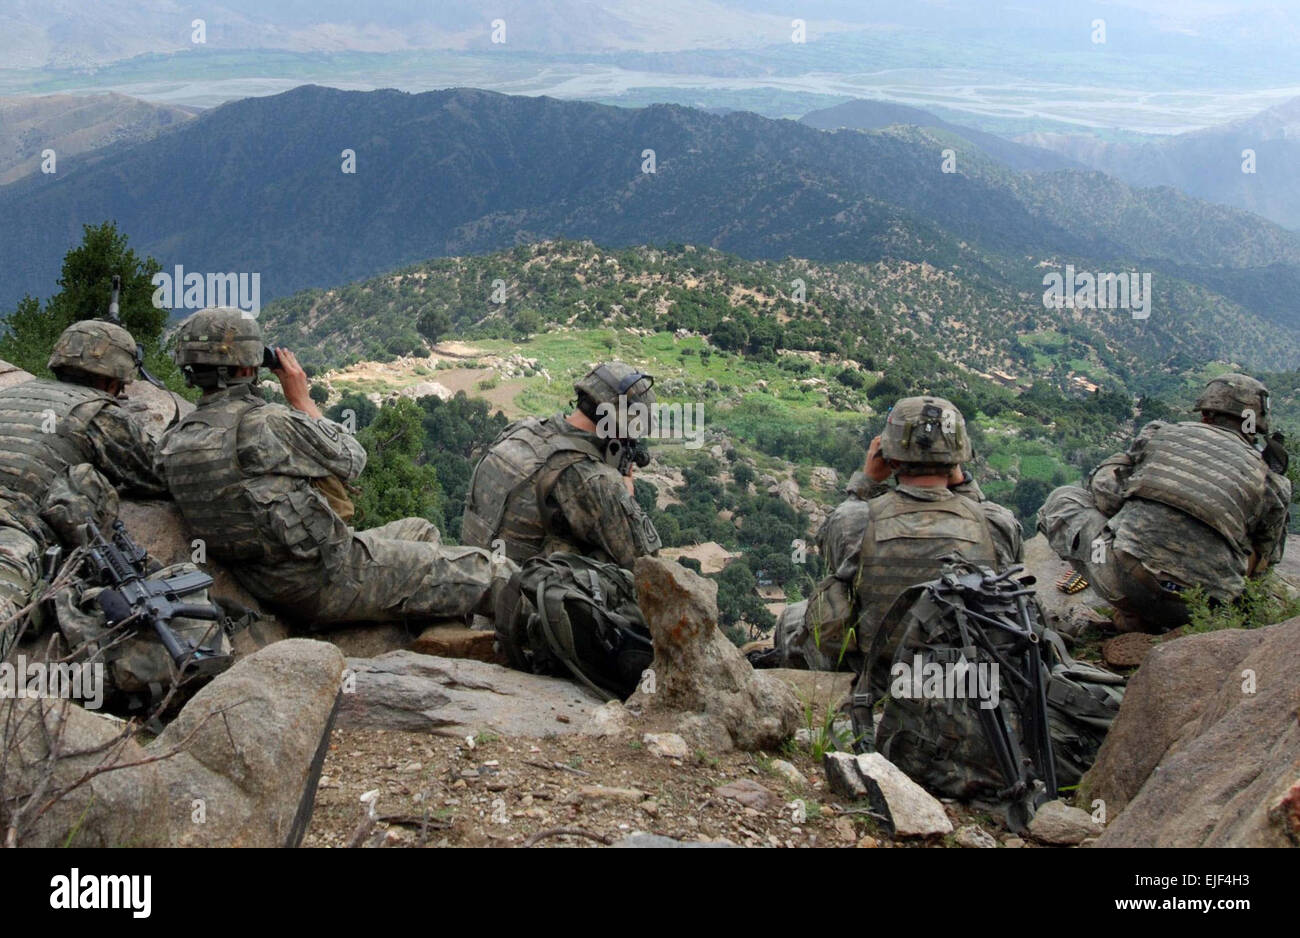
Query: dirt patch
[(435, 791), (713, 557)]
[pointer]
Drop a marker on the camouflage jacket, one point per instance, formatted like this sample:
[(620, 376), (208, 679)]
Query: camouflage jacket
[(85, 426), (840, 538), (242, 472), (1171, 544), (600, 516)]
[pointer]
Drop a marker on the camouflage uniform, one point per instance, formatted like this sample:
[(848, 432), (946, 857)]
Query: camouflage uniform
[(881, 540), (545, 486), (63, 448), (1187, 505), (245, 474)]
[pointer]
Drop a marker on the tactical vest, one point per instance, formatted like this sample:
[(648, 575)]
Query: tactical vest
[(200, 459), (1206, 472), (509, 488), (906, 542), (43, 431)]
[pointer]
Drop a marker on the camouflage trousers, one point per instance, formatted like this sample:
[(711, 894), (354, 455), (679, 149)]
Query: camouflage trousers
[(20, 570), (392, 573), (1078, 531)]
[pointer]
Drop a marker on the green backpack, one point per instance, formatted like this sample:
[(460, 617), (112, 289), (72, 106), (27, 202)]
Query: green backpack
[(979, 631), (567, 614)]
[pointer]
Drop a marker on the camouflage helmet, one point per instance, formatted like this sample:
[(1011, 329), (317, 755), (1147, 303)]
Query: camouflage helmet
[(1234, 394), (605, 383), (95, 347), (925, 430), (220, 335)]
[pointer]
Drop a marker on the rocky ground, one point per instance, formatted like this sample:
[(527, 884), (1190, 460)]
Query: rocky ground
[(490, 790)]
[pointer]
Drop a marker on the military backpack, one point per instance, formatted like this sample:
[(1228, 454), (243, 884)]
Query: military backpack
[(980, 700), (569, 615)]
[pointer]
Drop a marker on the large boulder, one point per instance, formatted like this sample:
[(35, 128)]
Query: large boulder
[(1206, 748), (229, 771), (403, 690), (11, 375), (155, 409), (157, 526), (701, 681)]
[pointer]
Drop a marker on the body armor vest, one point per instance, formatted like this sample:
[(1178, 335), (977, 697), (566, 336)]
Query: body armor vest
[(43, 431), (509, 488), (906, 543), (1206, 472), (201, 461)]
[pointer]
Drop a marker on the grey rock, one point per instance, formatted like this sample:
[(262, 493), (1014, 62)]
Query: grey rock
[(699, 672), (1195, 758), (971, 835), (1058, 823), (908, 809), (402, 690), (787, 771), (750, 793), (912, 811), (229, 771), (154, 409), (666, 745), (12, 374), (609, 719), (842, 775)]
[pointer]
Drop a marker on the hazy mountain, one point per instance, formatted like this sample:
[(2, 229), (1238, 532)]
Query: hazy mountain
[(70, 125), (875, 115), (257, 186), (1207, 163), (71, 32)]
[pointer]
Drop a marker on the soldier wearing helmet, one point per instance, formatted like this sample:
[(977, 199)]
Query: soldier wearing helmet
[(565, 483), (66, 447), (263, 485), (1188, 504), (882, 539)]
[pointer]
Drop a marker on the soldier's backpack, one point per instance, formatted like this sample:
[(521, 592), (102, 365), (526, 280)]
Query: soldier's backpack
[(1051, 712), (569, 615)]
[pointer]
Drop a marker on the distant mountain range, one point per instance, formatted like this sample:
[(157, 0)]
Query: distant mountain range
[(257, 186), (74, 124), (1208, 164), (876, 115)]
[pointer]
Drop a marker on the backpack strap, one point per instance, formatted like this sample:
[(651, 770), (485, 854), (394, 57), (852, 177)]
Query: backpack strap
[(557, 649)]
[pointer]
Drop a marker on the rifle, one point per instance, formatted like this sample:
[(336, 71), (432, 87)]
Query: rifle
[(114, 316), (119, 565), (630, 452)]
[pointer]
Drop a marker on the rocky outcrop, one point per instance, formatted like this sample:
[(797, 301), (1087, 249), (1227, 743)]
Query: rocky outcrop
[(701, 684), (403, 690), (229, 770), (155, 409), (11, 375), (1206, 748)]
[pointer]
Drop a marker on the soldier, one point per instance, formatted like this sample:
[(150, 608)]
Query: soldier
[(1189, 504), (882, 540), (553, 484), (66, 446), (262, 485)]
